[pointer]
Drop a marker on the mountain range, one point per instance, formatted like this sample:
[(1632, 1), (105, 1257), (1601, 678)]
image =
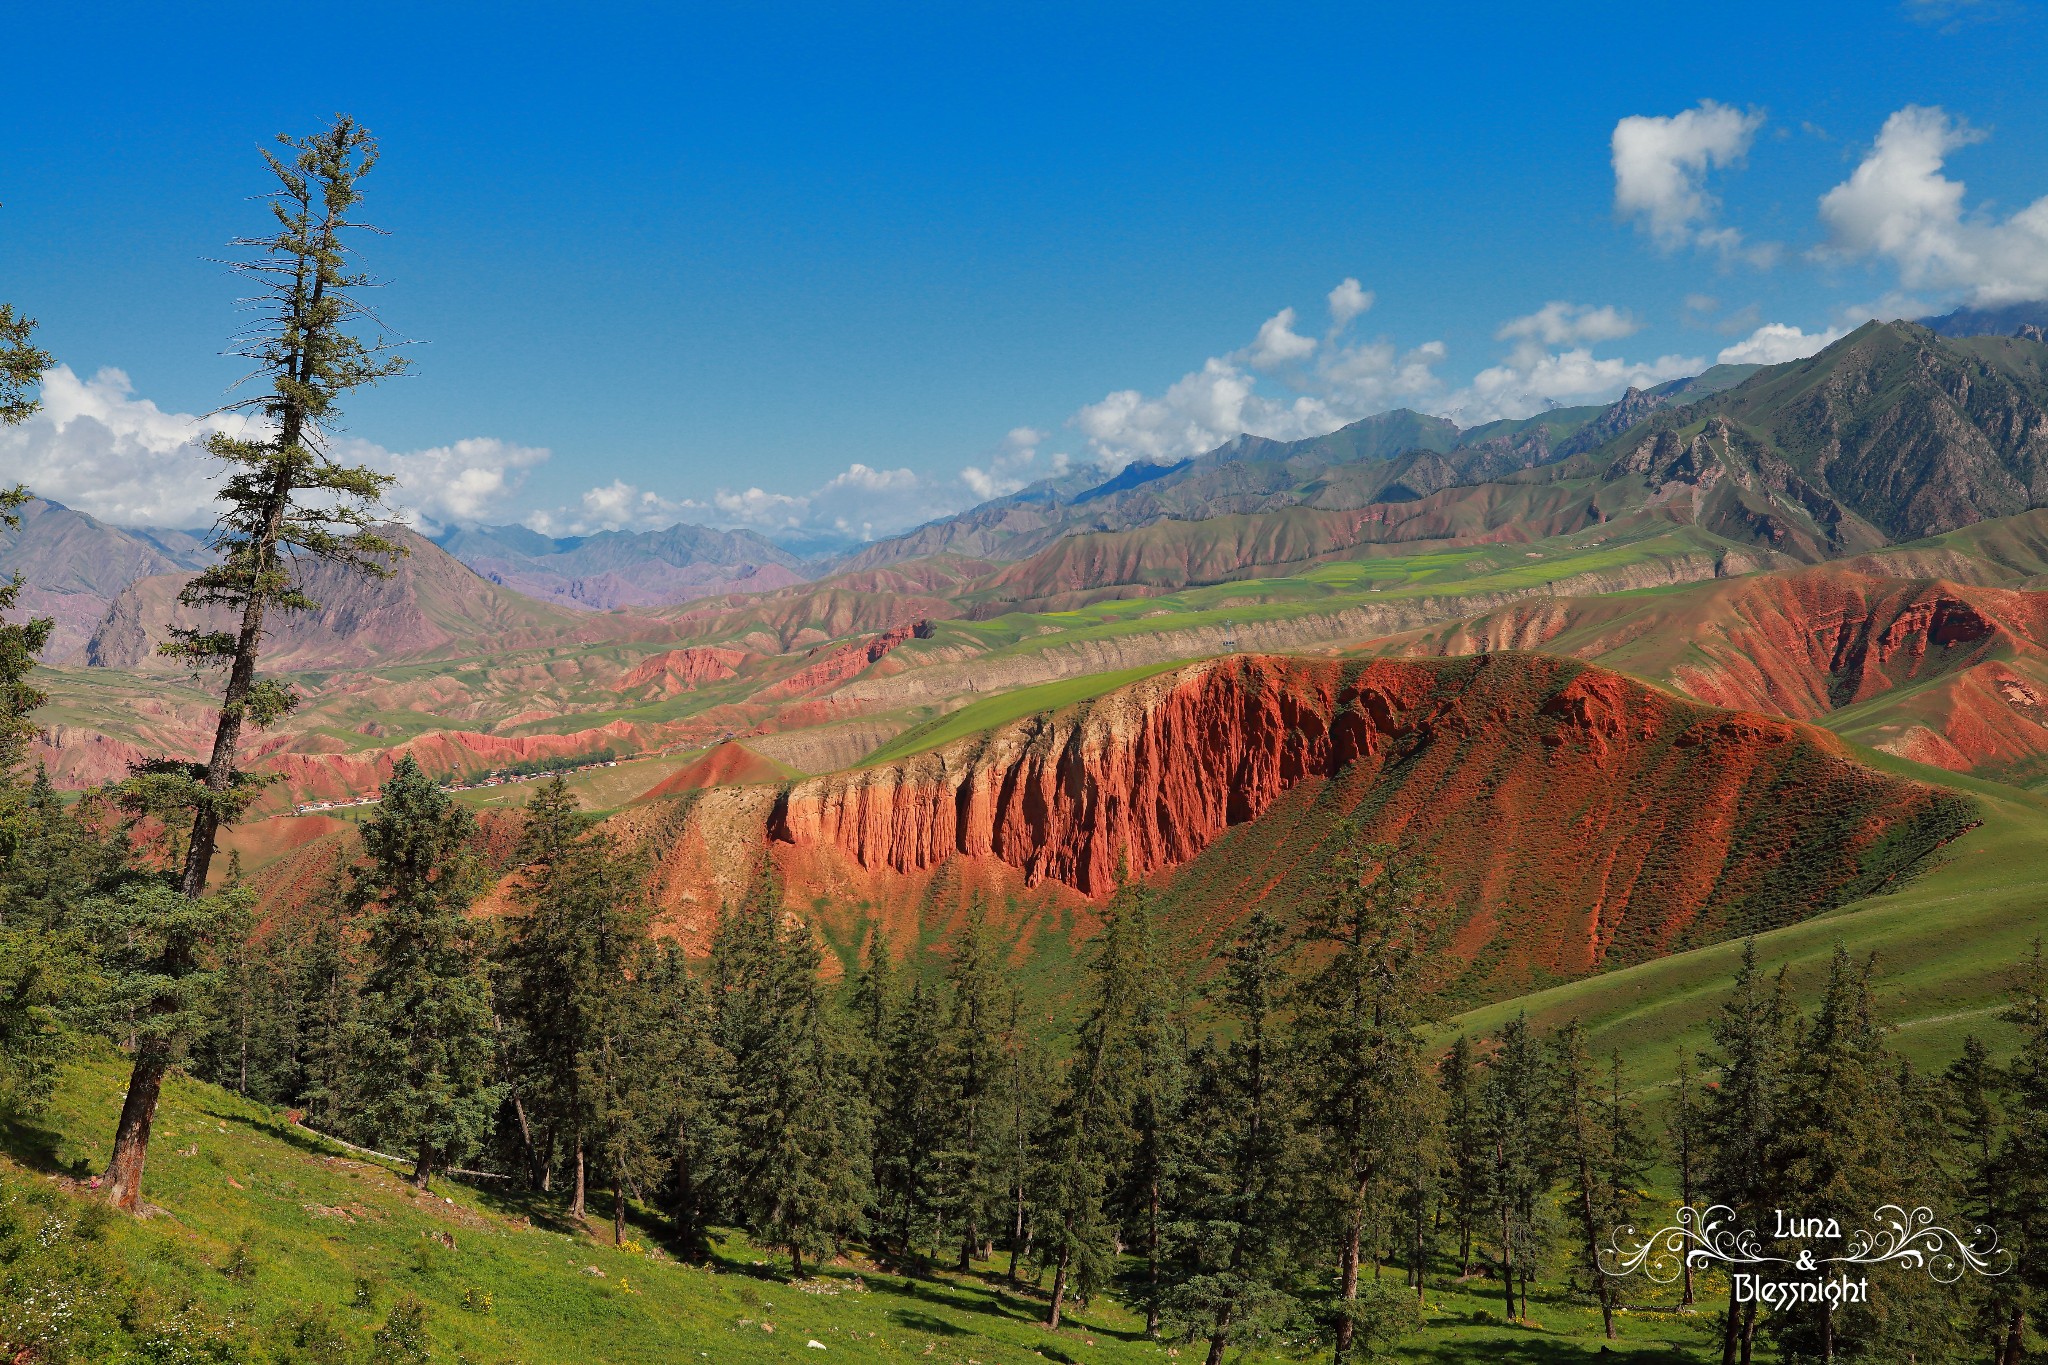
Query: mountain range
[(1675, 638)]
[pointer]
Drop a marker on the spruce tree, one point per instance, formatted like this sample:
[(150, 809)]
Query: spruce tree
[(1369, 1105), (2016, 1178), (423, 1041), (1682, 1127), (1512, 1109), (1467, 1162), (797, 1122), (1234, 1254), (1598, 1150), (1026, 1090), (684, 1085), (1833, 1147), (968, 1162), (583, 917), (1089, 1135), (287, 500), (1741, 1120), (909, 1129), (872, 1003)]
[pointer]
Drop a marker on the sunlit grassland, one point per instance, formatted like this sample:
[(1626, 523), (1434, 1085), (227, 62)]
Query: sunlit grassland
[(254, 1217)]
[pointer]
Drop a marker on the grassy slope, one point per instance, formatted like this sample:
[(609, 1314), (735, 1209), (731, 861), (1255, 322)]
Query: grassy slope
[(328, 1228), (1946, 942)]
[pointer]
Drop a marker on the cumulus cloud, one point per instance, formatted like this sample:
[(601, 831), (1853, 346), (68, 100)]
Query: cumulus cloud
[(1278, 343), (1014, 465), (1660, 173), (98, 447), (858, 503), (1348, 301), (1898, 206), (1332, 382), (1774, 343), (1532, 379), (1558, 323)]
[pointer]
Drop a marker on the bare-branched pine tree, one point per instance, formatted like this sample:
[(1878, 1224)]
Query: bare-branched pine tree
[(289, 503)]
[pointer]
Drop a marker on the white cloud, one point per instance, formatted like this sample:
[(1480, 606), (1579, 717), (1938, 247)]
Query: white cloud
[(99, 448), (1278, 343), (1558, 323), (1774, 343), (1333, 384), (1660, 173), (1013, 466), (1532, 380), (861, 502), (1348, 301), (1897, 205)]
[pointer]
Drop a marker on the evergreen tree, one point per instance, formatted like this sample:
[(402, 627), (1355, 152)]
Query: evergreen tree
[(1750, 1056), (1026, 1089), (1833, 1143), (968, 1162), (1233, 1254), (2016, 1178), (583, 917), (872, 1003), (797, 1121), (684, 1080), (1372, 1122), (330, 973), (1682, 1127), (1089, 1135), (287, 499), (908, 1132), (1511, 1101), (1599, 1151), (423, 1041), (1467, 1161)]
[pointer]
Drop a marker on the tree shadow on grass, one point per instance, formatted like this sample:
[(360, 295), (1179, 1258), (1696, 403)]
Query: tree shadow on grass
[(26, 1140), (1540, 1350), (925, 1322)]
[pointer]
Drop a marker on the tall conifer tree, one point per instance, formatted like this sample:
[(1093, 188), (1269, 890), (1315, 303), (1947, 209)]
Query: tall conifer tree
[(423, 1039), (1368, 1103), (1234, 1212), (288, 501)]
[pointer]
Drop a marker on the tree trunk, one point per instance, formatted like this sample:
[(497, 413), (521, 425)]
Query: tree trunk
[(1059, 1290), (1421, 1260), (618, 1213), (796, 1261), (1507, 1263), (1347, 1283), (1152, 1261), (131, 1137), (534, 1173), (422, 1167), (576, 1205), (1748, 1333), (1827, 1335), (1219, 1340), (1016, 1231), (2015, 1338), (1731, 1333), (686, 1194)]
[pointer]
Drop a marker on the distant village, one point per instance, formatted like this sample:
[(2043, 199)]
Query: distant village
[(502, 777)]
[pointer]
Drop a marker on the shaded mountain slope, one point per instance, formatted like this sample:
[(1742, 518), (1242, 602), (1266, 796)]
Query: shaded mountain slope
[(430, 604), (73, 566), (626, 568), (1892, 433)]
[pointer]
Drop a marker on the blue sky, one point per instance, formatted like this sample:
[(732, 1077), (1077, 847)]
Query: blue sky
[(820, 260)]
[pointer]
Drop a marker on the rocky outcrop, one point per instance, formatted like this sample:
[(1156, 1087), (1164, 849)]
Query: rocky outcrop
[(676, 671), (843, 663), (1585, 815)]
